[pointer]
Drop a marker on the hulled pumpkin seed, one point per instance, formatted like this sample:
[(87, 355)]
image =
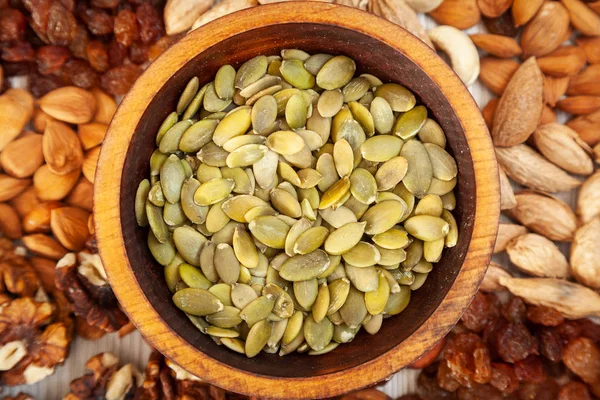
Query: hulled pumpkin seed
[(269, 230), (285, 142), (234, 124), (265, 170), (397, 302), (141, 196), (362, 255), (381, 148), (383, 216), (167, 124), (419, 281), (304, 266), (318, 334), (260, 85), (226, 264), (376, 300), (444, 166), (246, 155), (213, 155), (355, 89), (233, 344), (258, 309), (336, 73), (205, 173), (391, 258), (409, 124), (264, 113), (441, 187), (390, 173), (363, 186), (244, 248), (296, 112), (338, 293), (326, 167), (163, 252), (310, 240), (212, 102), (392, 239), (157, 224), (364, 279), (285, 203), (251, 71), (314, 63), (420, 171), (188, 94), (237, 206), (294, 328), (335, 193), (189, 243), (242, 295), (426, 227), (306, 292), (383, 116), (296, 230), (354, 310), (197, 302), (363, 116), (449, 201), (228, 317), (213, 191), (225, 82), (398, 97), (343, 158), (257, 338), (345, 238), (330, 103), (414, 253), (431, 204), (374, 324), (431, 132), (452, 237)]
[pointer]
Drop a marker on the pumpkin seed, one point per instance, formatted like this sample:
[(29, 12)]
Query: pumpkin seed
[(338, 217), (444, 166), (336, 73), (216, 219), (157, 224), (376, 300), (449, 201), (198, 322), (141, 196), (397, 302), (306, 292), (194, 212), (246, 155), (311, 138), (197, 302), (354, 310), (420, 170), (393, 285), (285, 203), (310, 239), (242, 295), (167, 124), (294, 328), (363, 116), (212, 102), (391, 258), (419, 281), (225, 235), (304, 266), (363, 279), (264, 113), (225, 81), (330, 103), (383, 115), (257, 338), (314, 63), (441, 187), (237, 206), (242, 183), (326, 167), (374, 324), (285, 142), (156, 196), (423, 266), (163, 252), (269, 230), (173, 214), (260, 85), (427, 227), (207, 265), (362, 255), (189, 243), (322, 125), (345, 238), (172, 177), (431, 132), (330, 347), (338, 293), (217, 332), (335, 193), (414, 253), (392, 239), (213, 191), (188, 94), (301, 226), (381, 148), (277, 331), (343, 158), (452, 237), (409, 124), (403, 277), (251, 71), (284, 304), (258, 309), (399, 98), (244, 248), (233, 344), (317, 334), (363, 186), (391, 172), (296, 112), (294, 73), (355, 89), (431, 204), (228, 317), (156, 161), (334, 262), (205, 173), (226, 263), (234, 124), (383, 216), (309, 178), (213, 155), (223, 292)]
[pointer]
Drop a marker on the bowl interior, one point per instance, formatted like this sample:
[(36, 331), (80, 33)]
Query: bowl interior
[(371, 56)]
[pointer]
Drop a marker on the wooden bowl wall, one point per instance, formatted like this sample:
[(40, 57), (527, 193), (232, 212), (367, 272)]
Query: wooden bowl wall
[(380, 48)]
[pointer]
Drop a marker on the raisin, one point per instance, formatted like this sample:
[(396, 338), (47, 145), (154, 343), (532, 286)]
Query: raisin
[(68, 4), (480, 312), (544, 316), (4, 4), (79, 42), (409, 397), (530, 370), (105, 3), (118, 80), (515, 310), (116, 53), (550, 344), (39, 85), (468, 359), (504, 378), (574, 391), (515, 343), (39, 10), (151, 26), (445, 378), (582, 357), (18, 68), (483, 364), (51, 58), (98, 22), (428, 388), (590, 330), (79, 73), (126, 28), (569, 330), (12, 25), (97, 56), (539, 391), (479, 392), (18, 52), (161, 45), (502, 25), (138, 53), (62, 25)]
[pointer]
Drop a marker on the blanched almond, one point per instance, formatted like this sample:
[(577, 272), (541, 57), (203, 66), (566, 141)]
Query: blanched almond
[(82, 195), (583, 18), (585, 254), (506, 233), (564, 61), (546, 31), (588, 199), (91, 134), (22, 157), (586, 83), (69, 104), (44, 246), (524, 10), (70, 226), (495, 73), (461, 14), (62, 150), (535, 255), (89, 163), (106, 106), (50, 186), (497, 45), (554, 89), (16, 109), (586, 127), (10, 226), (562, 146), (10, 187)]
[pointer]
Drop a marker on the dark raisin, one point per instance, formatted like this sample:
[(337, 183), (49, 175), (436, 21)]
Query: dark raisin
[(62, 25), (504, 378), (515, 310), (530, 370), (539, 391), (409, 397), (569, 330), (39, 10), (479, 392), (12, 25), (428, 388), (79, 42), (550, 344), (118, 80), (590, 330), (18, 52), (544, 316), (480, 312), (4, 4), (51, 58), (68, 4), (574, 391), (98, 22), (483, 364), (153, 3), (515, 343), (105, 3), (582, 357), (138, 53), (39, 85), (503, 25), (79, 73), (97, 56), (126, 28), (445, 377), (18, 68), (161, 45), (150, 22), (116, 53)]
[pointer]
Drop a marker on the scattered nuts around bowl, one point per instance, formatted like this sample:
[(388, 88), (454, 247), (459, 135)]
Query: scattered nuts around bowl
[(292, 202)]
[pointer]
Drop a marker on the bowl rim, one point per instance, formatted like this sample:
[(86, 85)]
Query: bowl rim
[(108, 217)]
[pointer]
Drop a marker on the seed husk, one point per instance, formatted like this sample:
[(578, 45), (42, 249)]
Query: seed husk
[(398, 97), (197, 302), (410, 123), (345, 238), (234, 124), (251, 71), (419, 175), (336, 73), (141, 196), (257, 338), (306, 292), (226, 263), (364, 279), (397, 302), (343, 158), (381, 148), (264, 113), (304, 266), (383, 216), (246, 155)]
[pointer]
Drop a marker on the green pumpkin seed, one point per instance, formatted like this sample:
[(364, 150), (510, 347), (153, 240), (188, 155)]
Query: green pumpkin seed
[(310, 240), (296, 112), (188, 94), (354, 310), (330, 103), (336, 73), (223, 292), (403, 277), (251, 71), (366, 101), (355, 89), (344, 334), (226, 263), (452, 237), (383, 115), (431, 132), (414, 253), (172, 177), (288, 173), (408, 124), (277, 331), (420, 171), (309, 178), (229, 317), (431, 204), (330, 347), (321, 303), (314, 63), (198, 322), (173, 214), (213, 191), (212, 102), (217, 332), (427, 227), (259, 211), (294, 54), (285, 203), (343, 157), (397, 301), (213, 155), (326, 167), (233, 344), (374, 324), (398, 97), (285, 142), (338, 293), (244, 248), (257, 338), (195, 104), (363, 279), (265, 170), (392, 239), (311, 139), (335, 193), (217, 115), (246, 155), (163, 252), (449, 201), (216, 219), (236, 207), (293, 328), (224, 82), (317, 123), (205, 173), (207, 265), (258, 309), (294, 73), (141, 196), (362, 255), (441, 187), (167, 124), (302, 159), (304, 266), (188, 242), (156, 195), (362, 115), (336, 319), (381, 148), (419, 281), (196, 213), (391, 258), (423, 266), (263, 83), (317, 334), (373, 80), (264, 113), (242, 183), (376, 300), (282, 97), (242, 295), (157, 224), (234, 124), (444, 166), (393, 285), (334, 262), (301, 226), (383, 216), (345, 238), (169, 143), (269, 230), (338, 217), (363, 186), (356, 207), (306, 292), (391, 173), (197, 302)]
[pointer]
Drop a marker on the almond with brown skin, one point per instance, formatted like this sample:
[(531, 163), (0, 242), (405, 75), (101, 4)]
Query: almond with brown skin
[(595, 6), (495, 73), (548, 116), (546, 31), (520, 106), (16, 109), (489, 111), (461, 14), (524, 10), (106, 106), (25, 202), (23, 156), (46, 271), (562, 146), (44, 245), (69, 104), (89, 163), (493, 8), (554, 89), (507, 196), (38, 219), (40, 119), (586, 127), (222, 8), (583, 18), (497, 45), (506, 233), (69, 226), (588, 199), (10, 226), (535, 255), (586, 83), (91, 134), (585, 254), (564, 61), (545, 214), (591, 46), (579, 105), (62, 150), (49, 186), (11, 187), (491, 281), (179, 15), (527, 167), (597, 153), (82, 195)]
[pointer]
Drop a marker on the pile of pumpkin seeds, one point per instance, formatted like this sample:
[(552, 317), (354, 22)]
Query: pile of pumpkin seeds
[(293, 203)]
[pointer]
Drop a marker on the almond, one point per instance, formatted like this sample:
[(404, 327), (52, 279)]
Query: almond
[(546, 31), (89, 164), (69, 104), (564, 61), (507, 196), (583, 18), (588, 199), (46, 270), (524, 10), (530, 169), (62, 150), (82, 195), (493, 8), (579, 104), (591, 46), (548, 116), (25, 202), (44, 245), (554, 89), (586, 127), (222, 8), (400, 13), (585, 254), (91, 134), (595, 6), (545, 214), (69, 226), (491, 281), (38, 219), (179, 15), (489, 111), (461, 14), (10, 226), (16, 109), (586, 83), (597, 153), (497, 45), (506, 233), (11, 187), (562, 146), (535, 255), (22, 157), (520, 106), (495, 73), (49, 186), (40, 119), (106, 106)]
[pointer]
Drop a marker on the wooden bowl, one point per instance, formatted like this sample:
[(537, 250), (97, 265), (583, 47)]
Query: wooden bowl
[(379, 47)]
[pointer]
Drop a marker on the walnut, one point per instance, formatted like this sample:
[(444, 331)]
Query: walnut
[(17, 276), (82, 278)]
